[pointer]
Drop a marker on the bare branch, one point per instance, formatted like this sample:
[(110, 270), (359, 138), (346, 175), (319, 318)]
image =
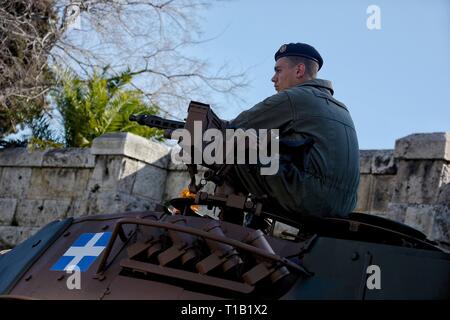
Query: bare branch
[(147, 37)]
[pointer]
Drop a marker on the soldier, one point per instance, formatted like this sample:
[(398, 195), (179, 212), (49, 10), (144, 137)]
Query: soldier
[(318, 172)]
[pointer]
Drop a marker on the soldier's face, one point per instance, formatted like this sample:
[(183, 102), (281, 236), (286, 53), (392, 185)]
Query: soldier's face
[(286, 74)]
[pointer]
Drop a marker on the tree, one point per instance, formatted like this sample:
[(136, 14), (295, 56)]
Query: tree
[(99, 105), (26, 36), (148, 37)]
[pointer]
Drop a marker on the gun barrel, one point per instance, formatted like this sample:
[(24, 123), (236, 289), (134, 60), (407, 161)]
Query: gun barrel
[(156, 122)]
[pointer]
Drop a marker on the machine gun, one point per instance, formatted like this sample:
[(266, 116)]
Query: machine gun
[(157, 122), (197, 112), (224, 197)]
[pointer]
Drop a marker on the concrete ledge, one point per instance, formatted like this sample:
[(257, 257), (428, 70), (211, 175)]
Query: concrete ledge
[(424, 146), (383, 162), (377, 162), (132, 146), (365, 160), (21, 157), (69, 157)]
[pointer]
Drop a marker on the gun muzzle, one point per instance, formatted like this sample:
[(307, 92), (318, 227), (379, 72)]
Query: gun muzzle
[(156, 122)]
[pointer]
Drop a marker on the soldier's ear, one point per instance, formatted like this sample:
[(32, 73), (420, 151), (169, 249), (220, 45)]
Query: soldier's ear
[(301, 70)]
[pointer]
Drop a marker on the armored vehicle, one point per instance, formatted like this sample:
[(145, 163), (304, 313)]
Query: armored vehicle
[(174, 252)]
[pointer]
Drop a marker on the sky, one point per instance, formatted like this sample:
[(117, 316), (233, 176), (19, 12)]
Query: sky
[(394, 80)]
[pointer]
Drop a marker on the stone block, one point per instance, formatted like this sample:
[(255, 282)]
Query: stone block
[(418, 181), (114, 173), (383, 162), (14, 182), (115, 202), (7, 210), (150, 182), (69, 157), (420, 217), (54, 210), (444, 194), (11, 236), (79, 207), (53, 183), (8, 237), (424, 146), (27, 211), (365, 161), (444, 188), (37, 213), (132, 146), (432, 220), (21, 157), (364, 193), (440, 231), (377, 162), (381, 192), (397, 211)]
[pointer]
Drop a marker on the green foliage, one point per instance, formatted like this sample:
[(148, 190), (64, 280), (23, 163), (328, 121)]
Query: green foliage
[(42, 136), (93, 107)]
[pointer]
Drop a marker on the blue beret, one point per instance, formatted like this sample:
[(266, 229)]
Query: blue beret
[(299, 50)]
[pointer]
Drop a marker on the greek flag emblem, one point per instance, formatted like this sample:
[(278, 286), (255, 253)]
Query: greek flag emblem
[(83, 252)]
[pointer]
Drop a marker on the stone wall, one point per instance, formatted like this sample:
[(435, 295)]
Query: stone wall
[(121, 172), (410, 184), (124, 172)]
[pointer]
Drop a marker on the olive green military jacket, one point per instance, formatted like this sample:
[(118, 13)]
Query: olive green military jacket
[(324, 183)]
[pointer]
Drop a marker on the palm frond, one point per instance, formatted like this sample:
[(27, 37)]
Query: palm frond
[(99, 105)]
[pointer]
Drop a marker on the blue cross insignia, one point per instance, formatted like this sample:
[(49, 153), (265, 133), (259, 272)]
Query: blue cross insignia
[(83, 252)]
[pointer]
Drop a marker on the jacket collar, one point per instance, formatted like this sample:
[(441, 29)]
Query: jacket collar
[(320, 84)]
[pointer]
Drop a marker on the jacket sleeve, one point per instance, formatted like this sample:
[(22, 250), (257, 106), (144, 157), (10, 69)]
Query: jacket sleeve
[(272, 113)]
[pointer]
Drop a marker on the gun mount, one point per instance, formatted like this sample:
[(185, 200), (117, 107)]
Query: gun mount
[(201, 113)]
